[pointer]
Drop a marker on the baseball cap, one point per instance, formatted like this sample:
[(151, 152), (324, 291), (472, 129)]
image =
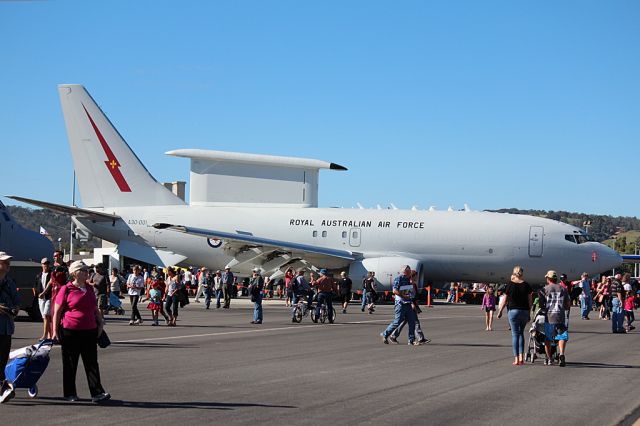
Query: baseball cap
[(5, 256), (323, 271), (44, 260), (552, 275)]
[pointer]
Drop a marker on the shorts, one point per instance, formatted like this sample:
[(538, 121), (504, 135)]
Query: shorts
[(555, 332), (346, 298), (102, 302), (45, 307), (489, 309)]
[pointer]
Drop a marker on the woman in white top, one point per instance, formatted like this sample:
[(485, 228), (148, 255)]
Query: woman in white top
[(171, 296), (135, 287)]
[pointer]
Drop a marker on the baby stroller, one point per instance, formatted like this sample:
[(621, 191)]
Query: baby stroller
[(535, 348), (26, 366), (115, 304)]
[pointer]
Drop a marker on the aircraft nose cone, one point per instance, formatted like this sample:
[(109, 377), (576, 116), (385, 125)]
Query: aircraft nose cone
[(610, 258)]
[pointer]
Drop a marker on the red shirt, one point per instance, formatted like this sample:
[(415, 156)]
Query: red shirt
[(78, 307)]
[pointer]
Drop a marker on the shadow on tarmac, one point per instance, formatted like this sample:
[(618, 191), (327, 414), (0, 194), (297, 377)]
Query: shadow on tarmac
[(598, 365), (227, 406), (150, 345), (471, 345)]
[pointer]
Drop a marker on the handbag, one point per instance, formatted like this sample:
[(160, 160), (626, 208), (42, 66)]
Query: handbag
[(103, 340)]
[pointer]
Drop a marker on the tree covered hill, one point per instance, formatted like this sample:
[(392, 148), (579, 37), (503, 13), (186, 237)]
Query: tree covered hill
[(56, 224)]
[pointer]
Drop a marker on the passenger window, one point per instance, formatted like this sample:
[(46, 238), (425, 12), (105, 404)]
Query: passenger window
[(344, 234), (315, 234), (354, 234), (324, 234), (570, 238)]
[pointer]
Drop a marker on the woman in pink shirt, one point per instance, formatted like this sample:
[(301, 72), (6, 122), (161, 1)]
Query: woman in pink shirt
[(77, 323)]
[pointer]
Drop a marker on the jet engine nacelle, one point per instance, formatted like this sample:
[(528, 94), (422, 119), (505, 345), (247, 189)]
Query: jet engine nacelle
[(385, 268)]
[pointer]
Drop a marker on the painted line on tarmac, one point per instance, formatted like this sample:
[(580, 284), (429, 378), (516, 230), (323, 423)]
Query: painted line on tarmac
[(264, 330)]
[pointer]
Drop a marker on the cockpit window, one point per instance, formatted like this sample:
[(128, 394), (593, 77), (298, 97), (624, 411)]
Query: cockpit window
[(583, 238), (578, 238)]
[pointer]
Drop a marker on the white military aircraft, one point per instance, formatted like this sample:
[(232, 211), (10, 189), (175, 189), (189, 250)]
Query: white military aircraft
[(250, 211)]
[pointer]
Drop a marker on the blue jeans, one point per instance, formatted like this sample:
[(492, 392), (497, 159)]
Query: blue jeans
[(585, 306), (518, 318), (325, 297), (207, 297), (218, 297), (257, 309), (402, 312), (171, 305), (617, 316), (364, 300)]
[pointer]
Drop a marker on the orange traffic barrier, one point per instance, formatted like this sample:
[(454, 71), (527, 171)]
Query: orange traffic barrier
[(429, 297)]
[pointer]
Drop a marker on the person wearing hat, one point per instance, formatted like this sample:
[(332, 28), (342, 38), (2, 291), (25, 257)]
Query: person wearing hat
[(555, 300), (326, 287), (586, 302), (256, 286), (44, 290), (216, 281), (227, 286), (403, 311), (9, 307), (201, 278), (77, 324)]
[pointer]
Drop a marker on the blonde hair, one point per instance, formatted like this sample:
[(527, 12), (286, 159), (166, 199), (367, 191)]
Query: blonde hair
[(517, 273)]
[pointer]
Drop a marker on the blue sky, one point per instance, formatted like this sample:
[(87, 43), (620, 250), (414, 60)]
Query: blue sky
[(490, 103)]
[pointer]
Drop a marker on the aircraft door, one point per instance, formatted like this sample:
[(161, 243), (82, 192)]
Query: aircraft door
[(355, 235), (536, 234)]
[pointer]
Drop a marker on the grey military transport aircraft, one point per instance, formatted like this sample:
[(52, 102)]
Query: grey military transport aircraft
[(247, 211), (21, 243)]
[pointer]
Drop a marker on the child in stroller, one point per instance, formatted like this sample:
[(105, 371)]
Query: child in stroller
[(537, 337)]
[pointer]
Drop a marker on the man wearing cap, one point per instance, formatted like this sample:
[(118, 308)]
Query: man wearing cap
[(585, 295), (44, 290), (201, 276), (216, 282), (403, 292), (555, 300), (227, 286), (9, 307), (325, 287), (256, 286), (301, 289)]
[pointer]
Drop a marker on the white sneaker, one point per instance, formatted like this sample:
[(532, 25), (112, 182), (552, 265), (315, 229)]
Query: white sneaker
[(132, 323), (7, 392), (136, 322)]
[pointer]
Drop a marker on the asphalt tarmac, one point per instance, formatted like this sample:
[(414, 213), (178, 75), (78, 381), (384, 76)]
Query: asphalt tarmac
[(216, 367)]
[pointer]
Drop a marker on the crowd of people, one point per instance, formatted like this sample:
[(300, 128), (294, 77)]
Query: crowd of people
[(74, 300)]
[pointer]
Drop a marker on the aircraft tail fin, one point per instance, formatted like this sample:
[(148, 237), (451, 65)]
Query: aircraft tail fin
[(109, 173)]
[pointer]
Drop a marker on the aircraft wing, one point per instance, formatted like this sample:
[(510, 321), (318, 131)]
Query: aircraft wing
[(264, 244), (70, 210)]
